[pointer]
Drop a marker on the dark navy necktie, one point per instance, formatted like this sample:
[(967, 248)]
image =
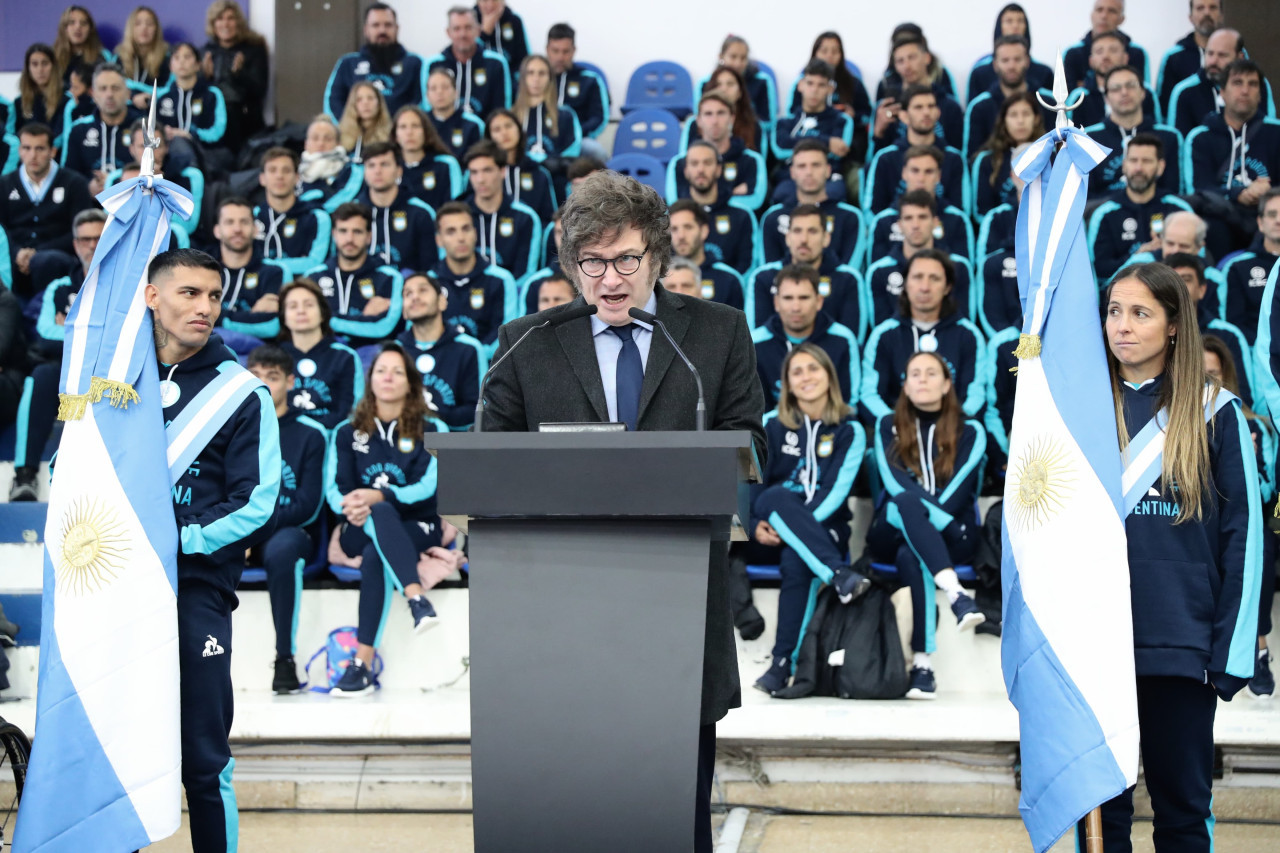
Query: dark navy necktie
[(629, 376)]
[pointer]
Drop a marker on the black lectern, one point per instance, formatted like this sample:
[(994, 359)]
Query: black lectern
[(589, 555)]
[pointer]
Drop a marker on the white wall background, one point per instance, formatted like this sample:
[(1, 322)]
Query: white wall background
[(781, 32)]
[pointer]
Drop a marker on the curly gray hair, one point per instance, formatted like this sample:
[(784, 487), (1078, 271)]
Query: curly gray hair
[(605, 204)]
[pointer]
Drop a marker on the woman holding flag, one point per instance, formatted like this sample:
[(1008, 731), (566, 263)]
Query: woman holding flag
[(1194, 530)]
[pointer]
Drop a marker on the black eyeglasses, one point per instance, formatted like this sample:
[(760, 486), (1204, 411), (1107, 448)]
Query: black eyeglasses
[(622, 265)]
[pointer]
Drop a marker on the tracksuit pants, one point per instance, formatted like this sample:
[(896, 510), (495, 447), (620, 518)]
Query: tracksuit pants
[(1175, 716), (811, 551), (37, 412), (386, 545), (204, 656), (1269, 546), (283, 557), (903, 534)]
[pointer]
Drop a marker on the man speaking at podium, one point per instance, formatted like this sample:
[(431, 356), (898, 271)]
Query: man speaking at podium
[(611, 368)]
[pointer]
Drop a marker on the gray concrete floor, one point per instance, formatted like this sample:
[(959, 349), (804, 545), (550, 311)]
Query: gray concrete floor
[(310, 832)]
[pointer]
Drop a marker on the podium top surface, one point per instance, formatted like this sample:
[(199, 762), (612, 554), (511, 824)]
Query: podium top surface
[(588, 442), (645, 440)]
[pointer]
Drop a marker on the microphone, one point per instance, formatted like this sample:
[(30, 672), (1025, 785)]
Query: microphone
[(701, 413), (551, 322)]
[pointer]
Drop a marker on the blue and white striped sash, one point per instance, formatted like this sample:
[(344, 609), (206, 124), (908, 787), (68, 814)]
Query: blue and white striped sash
[(1144, 457), (199, 422)]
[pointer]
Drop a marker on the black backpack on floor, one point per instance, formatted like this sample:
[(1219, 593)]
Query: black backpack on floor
[(866, 631)]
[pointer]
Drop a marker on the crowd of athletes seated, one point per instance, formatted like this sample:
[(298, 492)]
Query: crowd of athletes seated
[(855, 232)]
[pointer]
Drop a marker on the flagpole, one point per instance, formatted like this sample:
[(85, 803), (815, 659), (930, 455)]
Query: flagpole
[(150, 141), (1093, 831)]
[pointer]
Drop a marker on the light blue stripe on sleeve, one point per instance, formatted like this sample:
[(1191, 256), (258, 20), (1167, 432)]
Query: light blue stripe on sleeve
[(975, 459), (839, 493), (331, 493), (214, 133), (888, 480), (262, 500), (420, 491), (795, 543), (1244, 639), (47, 326)]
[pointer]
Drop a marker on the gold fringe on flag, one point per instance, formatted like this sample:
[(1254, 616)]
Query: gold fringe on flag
[(1028, 347), (71, 406), (119, 394)]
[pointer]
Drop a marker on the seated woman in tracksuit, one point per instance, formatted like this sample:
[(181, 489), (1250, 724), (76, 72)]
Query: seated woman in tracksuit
[(930, 460), (525, 180), (329, 376), (815, 448), (1219, 364), (927, 321), (1194, 529), (431, 172), (552, 132), (382, 481)]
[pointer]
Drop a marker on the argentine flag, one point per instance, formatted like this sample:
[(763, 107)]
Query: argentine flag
[(105, 763), (1067, 648)]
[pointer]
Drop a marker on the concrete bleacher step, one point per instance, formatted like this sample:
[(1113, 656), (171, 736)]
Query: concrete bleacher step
[(425, 688)]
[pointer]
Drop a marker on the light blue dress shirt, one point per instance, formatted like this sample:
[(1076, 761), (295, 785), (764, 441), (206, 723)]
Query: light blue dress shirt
[(609, 347)]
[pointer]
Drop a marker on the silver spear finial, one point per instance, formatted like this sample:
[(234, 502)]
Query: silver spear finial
[(150, 140), (1060, 93)]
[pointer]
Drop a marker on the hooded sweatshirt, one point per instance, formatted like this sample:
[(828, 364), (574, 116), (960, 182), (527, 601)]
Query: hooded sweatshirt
[(1195, 586), (480, 300), (818, 461), (328, 379), (451, 368), (396, 72), (1224, 161), (773, 343), (893, 342), (399, 467), (347, 293), (224, 502), (484, 80), (947, 497)]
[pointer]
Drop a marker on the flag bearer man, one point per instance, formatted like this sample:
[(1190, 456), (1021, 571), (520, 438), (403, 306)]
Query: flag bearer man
[(224, 496)]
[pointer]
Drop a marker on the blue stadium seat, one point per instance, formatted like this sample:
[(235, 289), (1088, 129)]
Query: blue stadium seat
[(965, 573), (653, 132), (764, 573), (660, 85), (319, 560), (346, 574), (768, 573), (643, 168)]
